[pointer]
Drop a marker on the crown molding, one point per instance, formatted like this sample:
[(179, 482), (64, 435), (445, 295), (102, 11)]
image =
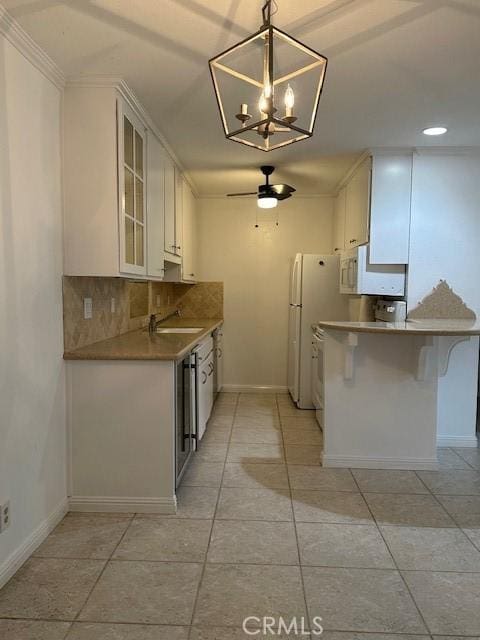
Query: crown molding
[(446, 151), (20, 39), (115, 82), (406, 151), (343, 181)]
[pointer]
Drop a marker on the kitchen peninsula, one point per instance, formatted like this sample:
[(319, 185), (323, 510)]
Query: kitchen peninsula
[(380, 393)]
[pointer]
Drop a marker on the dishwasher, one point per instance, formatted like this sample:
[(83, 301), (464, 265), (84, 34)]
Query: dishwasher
[(185, 413), (205, 376)]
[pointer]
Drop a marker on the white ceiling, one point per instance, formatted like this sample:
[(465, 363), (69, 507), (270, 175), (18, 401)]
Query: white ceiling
[(395, 67)]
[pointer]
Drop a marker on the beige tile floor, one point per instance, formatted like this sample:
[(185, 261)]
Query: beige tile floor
[(263, 530)]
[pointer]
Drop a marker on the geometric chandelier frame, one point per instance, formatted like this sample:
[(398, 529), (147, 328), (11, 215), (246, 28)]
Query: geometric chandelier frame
[(270, 130)]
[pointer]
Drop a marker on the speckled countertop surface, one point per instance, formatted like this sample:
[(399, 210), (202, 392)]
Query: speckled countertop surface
[(413, 327), (140, 345)]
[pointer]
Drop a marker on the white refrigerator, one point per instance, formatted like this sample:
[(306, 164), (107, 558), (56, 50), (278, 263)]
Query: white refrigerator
[(314, 296)]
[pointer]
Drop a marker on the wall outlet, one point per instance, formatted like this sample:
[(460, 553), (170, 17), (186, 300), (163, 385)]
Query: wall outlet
[(4, 516), (113, 305), (87, 308)]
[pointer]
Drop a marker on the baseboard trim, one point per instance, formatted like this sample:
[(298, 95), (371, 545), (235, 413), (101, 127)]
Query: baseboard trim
[(252, 388), (354, 462), (13, 563), (109, 504), (457, 441)]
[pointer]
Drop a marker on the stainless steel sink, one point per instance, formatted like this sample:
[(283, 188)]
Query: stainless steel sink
[(179, 330)]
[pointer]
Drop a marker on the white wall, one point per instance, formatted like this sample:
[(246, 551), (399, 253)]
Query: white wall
[(254, 265), (445, 244), (32, 392)]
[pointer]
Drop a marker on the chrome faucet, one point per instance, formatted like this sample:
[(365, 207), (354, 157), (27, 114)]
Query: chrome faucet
[(153, 323)]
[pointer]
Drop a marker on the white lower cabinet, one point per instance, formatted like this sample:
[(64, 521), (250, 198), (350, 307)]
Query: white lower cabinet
[(218, 360), (121, 423), (205, 378)]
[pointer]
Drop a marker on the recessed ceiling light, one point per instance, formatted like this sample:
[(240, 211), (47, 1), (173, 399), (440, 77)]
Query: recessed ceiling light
[(435, 131)]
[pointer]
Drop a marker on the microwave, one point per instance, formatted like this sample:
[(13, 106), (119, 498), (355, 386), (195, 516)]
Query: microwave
[(359, 277)]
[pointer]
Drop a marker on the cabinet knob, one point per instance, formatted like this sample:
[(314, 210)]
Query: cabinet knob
[(352, 241), (192, 275)]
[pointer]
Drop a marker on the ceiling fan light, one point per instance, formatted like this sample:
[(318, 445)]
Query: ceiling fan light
[(267, 202)]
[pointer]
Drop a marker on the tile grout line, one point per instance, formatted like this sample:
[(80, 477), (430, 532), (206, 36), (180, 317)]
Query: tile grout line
[(207, 549), (107, 562), (464, 459), (302, 579), (402, 578), (436, 498)]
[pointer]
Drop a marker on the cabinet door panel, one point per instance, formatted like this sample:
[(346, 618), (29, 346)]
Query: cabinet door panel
[(339, 221), (390, 209), (131, 160), (170, 243), (178, 212), (189, 241), (155, 208), (358, 206)]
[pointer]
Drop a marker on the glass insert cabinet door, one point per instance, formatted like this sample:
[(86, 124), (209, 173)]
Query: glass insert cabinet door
[(131, 164)]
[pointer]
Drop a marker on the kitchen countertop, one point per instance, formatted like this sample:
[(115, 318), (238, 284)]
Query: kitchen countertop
[(140, 345), (412, 327)]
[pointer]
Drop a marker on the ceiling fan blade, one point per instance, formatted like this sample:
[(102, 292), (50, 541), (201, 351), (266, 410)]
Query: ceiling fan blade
[(282, 191), (235, 195)]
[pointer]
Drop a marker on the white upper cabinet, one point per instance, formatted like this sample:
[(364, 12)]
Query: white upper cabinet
[(339, 221), (155, 208), (124, 196), (377, 208), (170, 240), (189, 240), (178, 212), (173, 212), (358, 206), (132, 190), (390, 209), (104, 159)]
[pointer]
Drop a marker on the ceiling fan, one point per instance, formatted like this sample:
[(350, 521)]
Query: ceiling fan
[(268, 194)]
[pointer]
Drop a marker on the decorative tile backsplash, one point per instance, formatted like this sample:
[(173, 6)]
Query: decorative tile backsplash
[(134, 302)]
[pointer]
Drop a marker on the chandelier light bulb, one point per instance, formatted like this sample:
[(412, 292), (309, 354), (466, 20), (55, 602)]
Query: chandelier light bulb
[(289, 98), (262, 104)]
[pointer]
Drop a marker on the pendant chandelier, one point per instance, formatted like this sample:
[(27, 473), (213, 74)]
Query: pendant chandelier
[(268, 87)]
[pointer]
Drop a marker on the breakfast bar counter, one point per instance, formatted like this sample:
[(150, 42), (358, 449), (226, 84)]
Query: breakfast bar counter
[(380, 391), (411, 327)]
